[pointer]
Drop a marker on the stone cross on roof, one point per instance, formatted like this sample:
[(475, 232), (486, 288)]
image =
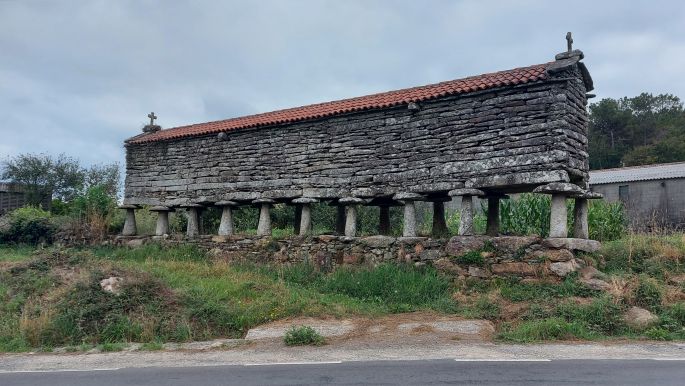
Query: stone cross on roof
[(569, 42), (152, 117)]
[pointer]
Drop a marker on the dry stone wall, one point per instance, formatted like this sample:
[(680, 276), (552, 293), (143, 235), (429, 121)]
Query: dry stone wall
[(509, 139), (468, 256)]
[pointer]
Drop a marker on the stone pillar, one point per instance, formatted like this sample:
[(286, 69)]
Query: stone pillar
[(408, 199), (558, 213), (384, 220), (193, 215), (297, 220), (130, 228), (162, 220), (350, 214), (580, 212), (305, 226), (439, 229), (226, 227), (559, 216), (264, 226), (492, 228), (466, 218), (340, 219)]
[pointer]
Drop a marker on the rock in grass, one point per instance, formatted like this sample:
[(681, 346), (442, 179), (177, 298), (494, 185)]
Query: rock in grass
[(562, 269), (639, 319), (112, 284)]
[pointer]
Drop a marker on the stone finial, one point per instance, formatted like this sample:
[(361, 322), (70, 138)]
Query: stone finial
[(466, 192), (151, 127), (569, 42)]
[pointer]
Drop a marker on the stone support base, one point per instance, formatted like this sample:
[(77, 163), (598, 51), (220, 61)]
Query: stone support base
[(162, 223), (558, 217), (439, 229), (130, 228)]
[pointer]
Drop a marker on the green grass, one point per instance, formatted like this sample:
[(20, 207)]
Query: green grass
[(302, 335), (546, 330), (52, 298), (15, 252)]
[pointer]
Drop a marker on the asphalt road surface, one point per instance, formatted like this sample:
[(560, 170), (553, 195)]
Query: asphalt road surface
[(428, 372)]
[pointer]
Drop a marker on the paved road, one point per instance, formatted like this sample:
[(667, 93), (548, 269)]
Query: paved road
[(428, 372)]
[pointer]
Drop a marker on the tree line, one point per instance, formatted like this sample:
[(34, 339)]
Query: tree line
[(641, 130)]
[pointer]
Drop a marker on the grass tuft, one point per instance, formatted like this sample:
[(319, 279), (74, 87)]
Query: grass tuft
[(303, 335)]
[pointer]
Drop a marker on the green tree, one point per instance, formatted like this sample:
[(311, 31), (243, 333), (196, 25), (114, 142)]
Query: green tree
[(45, 176)]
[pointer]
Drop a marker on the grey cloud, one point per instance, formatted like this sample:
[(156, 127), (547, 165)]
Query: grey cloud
[(80, 76)]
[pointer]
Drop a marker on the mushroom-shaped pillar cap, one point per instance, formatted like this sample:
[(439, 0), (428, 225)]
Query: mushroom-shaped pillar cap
[(226, 203), (408, 196), (128, 206), (305, 200), (263, 200), (466, 192), (161, 208), (190, 205), (588, 195), (351, 200), (560, 188)]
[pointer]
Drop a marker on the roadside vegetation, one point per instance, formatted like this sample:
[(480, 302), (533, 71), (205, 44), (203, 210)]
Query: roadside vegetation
[(53, 297)]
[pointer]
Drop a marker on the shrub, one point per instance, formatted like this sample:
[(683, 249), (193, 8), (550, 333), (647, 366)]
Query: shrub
[(648, 293), (302, 335), (601, 316), (30, 225)]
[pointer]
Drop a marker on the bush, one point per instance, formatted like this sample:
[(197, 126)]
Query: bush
[(302, 335), (649, 293), (30, 225)]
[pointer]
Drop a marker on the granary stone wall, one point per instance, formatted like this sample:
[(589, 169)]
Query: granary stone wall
[(508, 139)]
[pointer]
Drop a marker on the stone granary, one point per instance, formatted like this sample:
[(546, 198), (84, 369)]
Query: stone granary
[(520, 130)]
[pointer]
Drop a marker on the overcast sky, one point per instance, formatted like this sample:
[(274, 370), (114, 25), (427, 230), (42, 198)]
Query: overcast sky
[(79, 77)]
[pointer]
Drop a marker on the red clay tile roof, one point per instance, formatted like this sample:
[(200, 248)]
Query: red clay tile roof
[(374, 101)]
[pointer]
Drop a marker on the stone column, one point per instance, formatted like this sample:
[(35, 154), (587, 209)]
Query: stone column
[(580, 226), (297, 220), (558, 213), (439, 229), (384, 220), (350, 214), (466, 218), (130, 228), (193, 215), (264, 226), (492, 227), (559, 216), (408, 199), (226, 227), (580, 211), (162, 219), (305, 226)]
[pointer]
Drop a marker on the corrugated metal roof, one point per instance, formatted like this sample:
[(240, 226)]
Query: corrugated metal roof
[(638, 173)]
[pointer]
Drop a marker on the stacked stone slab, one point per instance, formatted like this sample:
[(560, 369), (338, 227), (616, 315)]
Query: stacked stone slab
[(487, 142)]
